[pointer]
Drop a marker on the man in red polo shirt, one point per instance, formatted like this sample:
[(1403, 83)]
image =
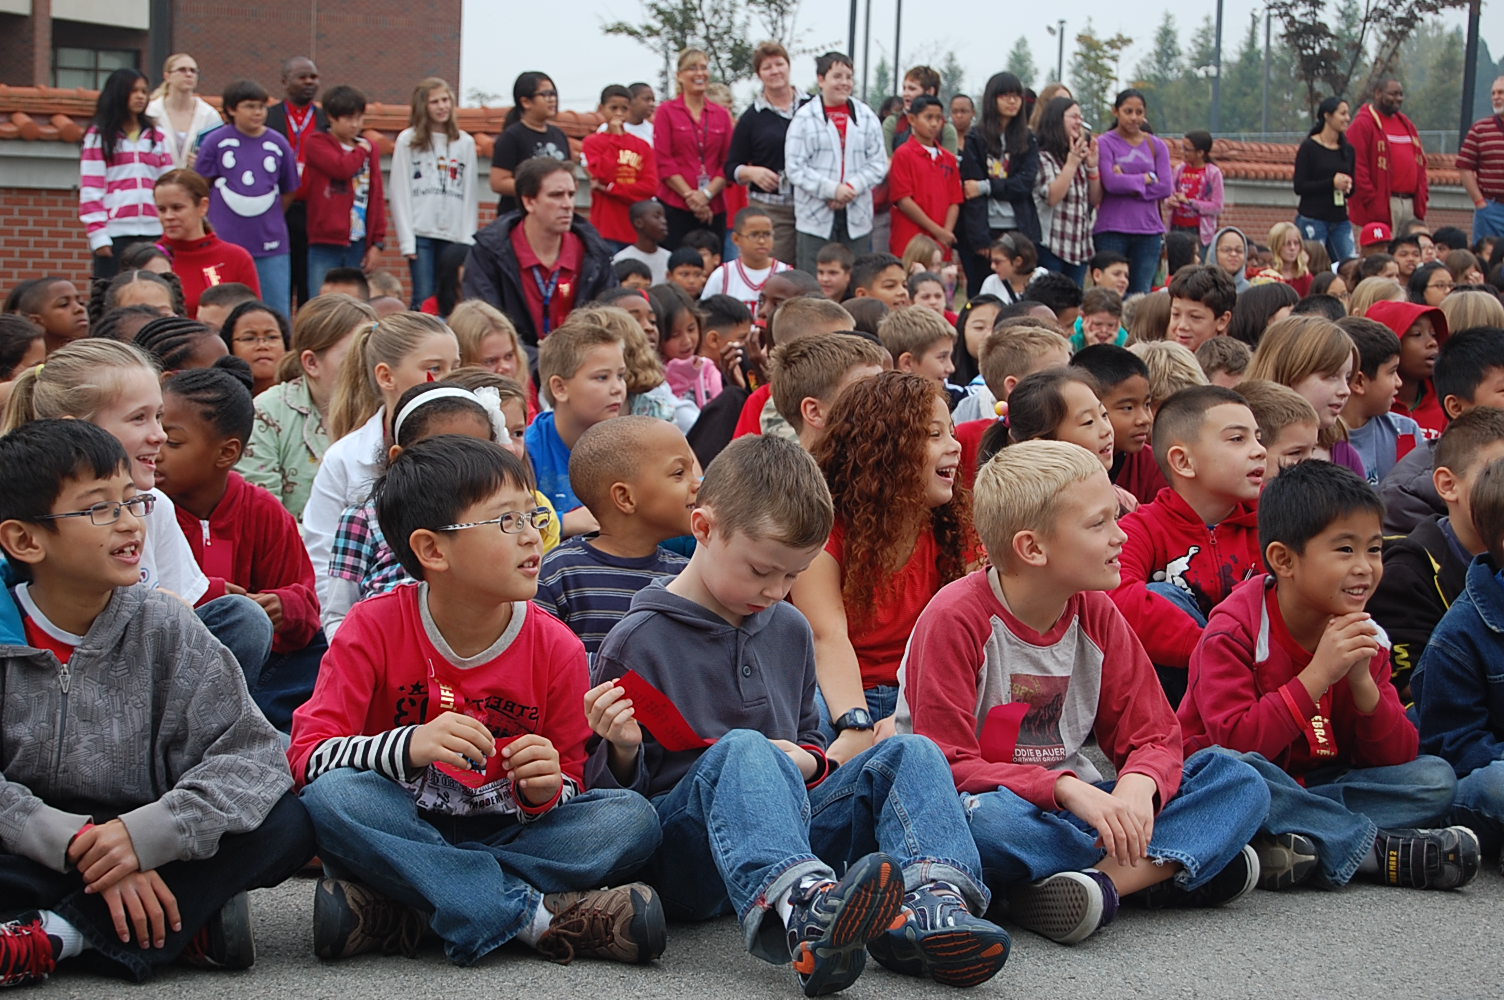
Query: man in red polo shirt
[(1480, 161), (536, 264)]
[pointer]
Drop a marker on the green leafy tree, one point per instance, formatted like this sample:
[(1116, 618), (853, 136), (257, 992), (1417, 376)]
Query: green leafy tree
[(1021, 62), (723, 30), (952, 76), (1094, 73), (880, 82)]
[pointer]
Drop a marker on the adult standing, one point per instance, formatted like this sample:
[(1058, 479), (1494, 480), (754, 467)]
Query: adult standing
[(691, 137), (179, 112), (123, 155), (1325, 165), (534, 265), (756, 155), (526, 134), (297, 118), (834, 157), (1480, 161), (1068, 188), (998, 165), (1136, 179), (1389, 183), (434, 192)]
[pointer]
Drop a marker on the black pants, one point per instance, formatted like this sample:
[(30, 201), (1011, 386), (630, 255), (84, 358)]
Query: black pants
[(682, 220), (108, 267), (297, 240), (259, 859)]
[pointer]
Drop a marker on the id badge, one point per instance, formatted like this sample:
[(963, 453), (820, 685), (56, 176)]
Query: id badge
[(704, 181)]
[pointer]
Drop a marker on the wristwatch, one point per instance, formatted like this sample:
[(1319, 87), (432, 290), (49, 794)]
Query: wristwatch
[(856, 718)]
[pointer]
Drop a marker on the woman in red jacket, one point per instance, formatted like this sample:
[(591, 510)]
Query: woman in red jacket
[(199, 258), (691, 137)]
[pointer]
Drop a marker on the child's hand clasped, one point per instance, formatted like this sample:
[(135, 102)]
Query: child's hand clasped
[(103, 855), (453, 739), (532, 762), (608, 710)]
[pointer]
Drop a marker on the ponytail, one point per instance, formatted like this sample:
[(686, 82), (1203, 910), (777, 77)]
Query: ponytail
[(357, 396), (75, 381)]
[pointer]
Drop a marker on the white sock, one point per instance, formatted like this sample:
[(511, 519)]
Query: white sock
[(72, 939), (530, 934), (785, 903)]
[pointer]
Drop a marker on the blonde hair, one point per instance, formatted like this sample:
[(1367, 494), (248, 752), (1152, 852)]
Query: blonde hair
[(473, 321), (563, 352), (1275, 407), (1019, 489), (1296, 347), (417, 118), (321, 323), (161, 90), (357, 396), (76, 381), (1375, 289), (1465, 310), (811, 367), (913, 331), (921, 249), (508, 390), (1013, 350), (687, 56), (1277, 234), (644, 365), (1147, 317), (1171, 365)]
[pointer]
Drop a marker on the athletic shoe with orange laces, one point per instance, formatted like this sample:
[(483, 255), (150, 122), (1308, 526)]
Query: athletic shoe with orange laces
[(832, 922)]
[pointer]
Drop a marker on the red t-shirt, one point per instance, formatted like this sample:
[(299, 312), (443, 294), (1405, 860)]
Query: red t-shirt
[(1401, 155), (930, 176), (969, 433), (554, 288), (40, 639), (750, 421), (1191, 179), (202, 264), (880, 639), (840, 119)]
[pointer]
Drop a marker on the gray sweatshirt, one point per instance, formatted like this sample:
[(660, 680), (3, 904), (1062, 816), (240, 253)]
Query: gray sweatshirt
[(760, 676), (149, 721)]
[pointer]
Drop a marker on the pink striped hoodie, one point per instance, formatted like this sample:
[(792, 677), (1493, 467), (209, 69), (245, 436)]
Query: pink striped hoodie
[(115, 199)]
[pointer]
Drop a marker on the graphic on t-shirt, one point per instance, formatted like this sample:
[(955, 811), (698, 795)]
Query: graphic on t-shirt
[(1039, 739), (248, 185)]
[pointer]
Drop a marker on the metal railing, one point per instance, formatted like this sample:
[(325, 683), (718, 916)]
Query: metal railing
[(1431, 140)]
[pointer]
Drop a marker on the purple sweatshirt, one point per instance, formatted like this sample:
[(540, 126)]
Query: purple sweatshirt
[(1130, 204)]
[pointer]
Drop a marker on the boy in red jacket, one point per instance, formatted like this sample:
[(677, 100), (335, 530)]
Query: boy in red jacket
[(1199, 537), (342, 179), (623, 171), (1010, 670), (1292, 676), (442, 754)]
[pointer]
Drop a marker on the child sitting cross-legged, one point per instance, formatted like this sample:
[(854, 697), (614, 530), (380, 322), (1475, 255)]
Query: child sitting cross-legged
[(639, 478), (1012, 668), (442, 753), (820, 864), (1292, 676), (143, 792)]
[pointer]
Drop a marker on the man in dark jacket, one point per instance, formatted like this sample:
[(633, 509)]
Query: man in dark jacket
[(537, 264), (298, 118)]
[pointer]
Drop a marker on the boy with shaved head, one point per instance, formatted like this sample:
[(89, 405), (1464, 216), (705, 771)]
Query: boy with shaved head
[(639, 478)]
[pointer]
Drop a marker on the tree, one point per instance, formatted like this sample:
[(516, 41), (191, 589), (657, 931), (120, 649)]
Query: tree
[(475, 97), (880, 82), (1094, 72), (723, 30), (1021, 62)]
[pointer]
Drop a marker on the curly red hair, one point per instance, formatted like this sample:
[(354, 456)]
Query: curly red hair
[(873, 457)]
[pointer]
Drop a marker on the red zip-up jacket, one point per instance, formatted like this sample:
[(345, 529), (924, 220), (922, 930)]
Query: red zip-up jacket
[(1243, 694), (253, 542), (1169, 543), (326, 186)]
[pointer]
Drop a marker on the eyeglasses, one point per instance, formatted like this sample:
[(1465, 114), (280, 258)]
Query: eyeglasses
[(107, 512), (545, 93), (265, 338), (512, 522), (1445, 286)]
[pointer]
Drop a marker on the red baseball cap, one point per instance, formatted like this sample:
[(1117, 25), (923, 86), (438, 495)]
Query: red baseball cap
[(1401, 316), (1375, 233)]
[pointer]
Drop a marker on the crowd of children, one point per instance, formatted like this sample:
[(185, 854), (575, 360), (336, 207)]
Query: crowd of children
[(817, 592)]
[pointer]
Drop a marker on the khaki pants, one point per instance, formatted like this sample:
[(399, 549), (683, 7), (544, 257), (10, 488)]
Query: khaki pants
[(785, 242)]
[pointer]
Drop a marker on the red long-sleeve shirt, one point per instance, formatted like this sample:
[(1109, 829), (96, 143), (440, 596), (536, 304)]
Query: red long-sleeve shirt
[(1168, 542), (629, 170), (201, 264), (970, 656), (253, 542), (1244, 695)]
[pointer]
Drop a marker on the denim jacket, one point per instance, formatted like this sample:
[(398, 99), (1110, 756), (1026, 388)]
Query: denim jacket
[(1459, 684)]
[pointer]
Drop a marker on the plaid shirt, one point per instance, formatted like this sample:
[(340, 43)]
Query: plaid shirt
[(361, 554), (1066, 227)]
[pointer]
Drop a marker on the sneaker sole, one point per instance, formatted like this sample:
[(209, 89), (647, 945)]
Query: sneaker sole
[(1285, 859), (1469, 857), (649, 928), (1066, 910), (873, 901), (1254, 870), (963, 958)]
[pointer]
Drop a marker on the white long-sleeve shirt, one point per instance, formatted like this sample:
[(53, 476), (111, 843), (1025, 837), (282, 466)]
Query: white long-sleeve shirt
[(434, 192)]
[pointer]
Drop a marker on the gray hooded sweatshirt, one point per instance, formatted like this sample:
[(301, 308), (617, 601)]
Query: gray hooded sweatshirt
[(1210, 256)]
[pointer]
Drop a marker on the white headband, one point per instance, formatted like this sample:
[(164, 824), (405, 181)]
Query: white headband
[(447, 392), (490, 401)]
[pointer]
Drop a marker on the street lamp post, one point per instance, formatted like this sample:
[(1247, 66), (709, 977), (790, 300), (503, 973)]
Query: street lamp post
[(1217, 75), (1060, 53)]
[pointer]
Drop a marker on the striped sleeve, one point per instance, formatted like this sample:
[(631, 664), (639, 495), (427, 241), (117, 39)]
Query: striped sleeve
[(91, 190), (385, 753)]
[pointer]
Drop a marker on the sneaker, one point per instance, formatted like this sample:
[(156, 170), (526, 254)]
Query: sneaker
[(1068, 907), (27, 952), (1236, 880), (225, 941), (832, 922), (1285, 859), (624, 924), (940, 939), (1445, 858), (349, 919)]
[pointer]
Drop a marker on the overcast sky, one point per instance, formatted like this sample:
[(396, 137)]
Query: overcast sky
[(505, 37)]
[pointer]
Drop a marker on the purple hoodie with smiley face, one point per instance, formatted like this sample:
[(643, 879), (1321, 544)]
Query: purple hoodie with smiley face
[(247, 176)]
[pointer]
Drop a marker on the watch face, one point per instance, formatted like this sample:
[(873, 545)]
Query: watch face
[(856, 718)]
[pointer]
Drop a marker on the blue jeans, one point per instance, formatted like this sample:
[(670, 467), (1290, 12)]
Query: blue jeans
[(1048, 260), (1337, 237), (1480, 803), (481, 878), (1488, 220), (287, 681), (275, 275), (882, 701), (1142, 251), (1342, 809), (243, 627), (1174, 679), (424, 268), (325, 257), (1216, 812), (740, 830)]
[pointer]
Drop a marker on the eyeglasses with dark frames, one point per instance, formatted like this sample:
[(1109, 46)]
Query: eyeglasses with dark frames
[(107, 512)]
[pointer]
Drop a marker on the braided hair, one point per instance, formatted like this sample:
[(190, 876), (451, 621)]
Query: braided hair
[(223, 401), (173, 340)]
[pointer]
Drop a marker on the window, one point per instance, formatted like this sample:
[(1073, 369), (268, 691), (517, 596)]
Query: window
[(88, 68)]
